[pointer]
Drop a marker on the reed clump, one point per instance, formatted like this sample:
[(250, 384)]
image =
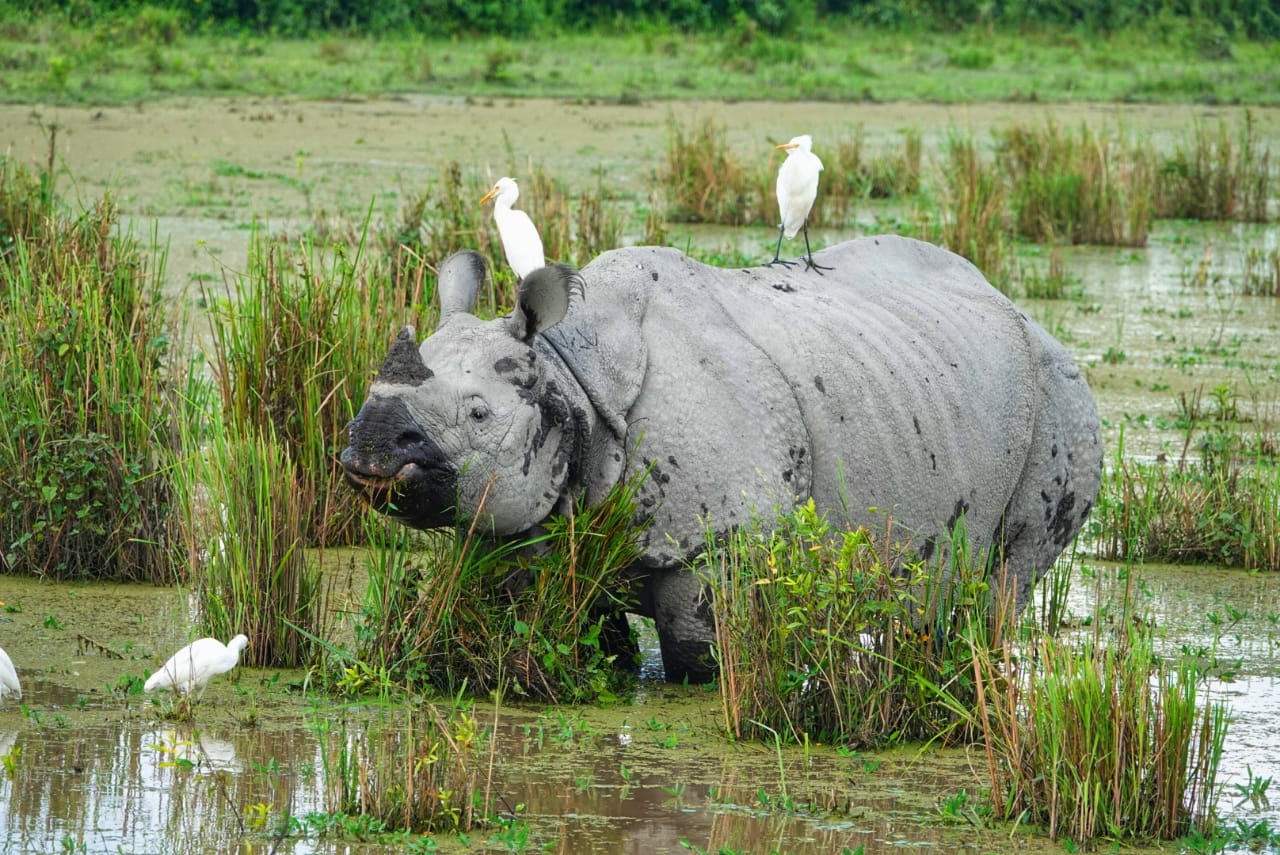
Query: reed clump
[(1100, 740), (972, 211), (1222, 508), (423, 771), (834, 636), (1217, 175), (541, 617), (87, 379), (241, 531), (1093, 186), (290, 357)]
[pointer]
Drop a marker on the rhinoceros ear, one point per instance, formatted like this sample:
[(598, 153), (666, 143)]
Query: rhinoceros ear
[(404, 364), (543, 300), (459, 280)]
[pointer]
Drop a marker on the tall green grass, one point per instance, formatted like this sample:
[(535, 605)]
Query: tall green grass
[(537, 617), (241, 532), (971, 218), (87, 379), (1222, 508), (837, 637), (1100, 740), (421, 772), (1092, 186), (1217, 176), (295, 341)]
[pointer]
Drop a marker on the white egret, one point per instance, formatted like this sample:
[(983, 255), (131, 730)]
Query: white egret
[(520, 240), (193, 666), (797, 188), (9, 684)]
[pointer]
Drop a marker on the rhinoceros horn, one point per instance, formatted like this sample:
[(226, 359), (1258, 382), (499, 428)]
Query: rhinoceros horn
[(404, 364)]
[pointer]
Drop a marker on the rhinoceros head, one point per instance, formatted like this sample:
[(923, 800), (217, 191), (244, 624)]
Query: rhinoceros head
[(468, 425)]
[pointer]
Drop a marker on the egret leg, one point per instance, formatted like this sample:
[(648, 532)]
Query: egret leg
[(809, 263), (776, 250)]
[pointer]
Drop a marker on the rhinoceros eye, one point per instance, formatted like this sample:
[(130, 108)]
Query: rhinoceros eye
[(479, 412)]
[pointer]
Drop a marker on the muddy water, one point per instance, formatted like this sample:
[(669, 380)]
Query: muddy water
[(97, 770)]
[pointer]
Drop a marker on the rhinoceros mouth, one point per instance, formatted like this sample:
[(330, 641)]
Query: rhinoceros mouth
[(420, 496)]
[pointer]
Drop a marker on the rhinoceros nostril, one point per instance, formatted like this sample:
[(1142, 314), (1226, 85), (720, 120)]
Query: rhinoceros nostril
[(410, 438)]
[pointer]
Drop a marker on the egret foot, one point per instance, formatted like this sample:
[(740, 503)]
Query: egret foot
[(777, 249), (809, 263)]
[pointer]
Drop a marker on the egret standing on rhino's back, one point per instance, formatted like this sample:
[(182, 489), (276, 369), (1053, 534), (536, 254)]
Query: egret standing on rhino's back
[(797, 190), (520, 240)]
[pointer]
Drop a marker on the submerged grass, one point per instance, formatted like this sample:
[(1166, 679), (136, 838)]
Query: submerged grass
[(420, 771), (87, 379)]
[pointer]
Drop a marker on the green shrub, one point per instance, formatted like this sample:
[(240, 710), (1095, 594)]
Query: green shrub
[(89, 419), (831, 636)]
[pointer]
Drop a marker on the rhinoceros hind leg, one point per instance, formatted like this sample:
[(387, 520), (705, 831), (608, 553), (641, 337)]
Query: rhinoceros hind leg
[(685, 624)]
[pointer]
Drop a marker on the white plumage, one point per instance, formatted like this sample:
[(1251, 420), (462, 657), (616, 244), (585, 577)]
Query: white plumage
[(520, 239), (797, 189), (193, 666), (9, 684)]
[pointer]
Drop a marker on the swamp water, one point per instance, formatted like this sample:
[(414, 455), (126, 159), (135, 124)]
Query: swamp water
[(95, 769)]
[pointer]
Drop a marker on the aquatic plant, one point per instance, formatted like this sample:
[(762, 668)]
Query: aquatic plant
[(291, 339), (420, 770), (87, 377), (1100, 739), (241, 530), (843, 637), (1223, 508), (971, 213), (538, 617), (1217, 177), (1095, 186)]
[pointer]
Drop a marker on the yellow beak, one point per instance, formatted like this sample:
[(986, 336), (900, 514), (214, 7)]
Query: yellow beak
[(489, 195), (787, 146)]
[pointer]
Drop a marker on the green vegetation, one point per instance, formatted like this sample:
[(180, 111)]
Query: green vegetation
[(419, 771), (290, 356), (835, 637), (1222, 508), (891, 54), (535, 617), (829, 636), (1101, 740), (90, 412)]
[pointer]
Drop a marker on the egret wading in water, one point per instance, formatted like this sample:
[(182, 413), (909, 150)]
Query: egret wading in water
[(192, 667), (9, 684), (797, 188), (520, 240)]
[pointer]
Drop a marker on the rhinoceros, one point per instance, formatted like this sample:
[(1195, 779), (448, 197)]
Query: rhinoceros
[(900, 383)]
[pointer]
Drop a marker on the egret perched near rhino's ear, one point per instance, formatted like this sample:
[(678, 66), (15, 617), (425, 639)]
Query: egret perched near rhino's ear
[(797, 188), (9, 684), (193, 666), (520, 240)]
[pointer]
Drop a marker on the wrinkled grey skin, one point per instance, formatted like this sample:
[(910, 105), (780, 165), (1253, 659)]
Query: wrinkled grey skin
[(899, 384)]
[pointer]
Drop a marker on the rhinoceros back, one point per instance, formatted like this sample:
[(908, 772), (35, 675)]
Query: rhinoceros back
[(899, 383)]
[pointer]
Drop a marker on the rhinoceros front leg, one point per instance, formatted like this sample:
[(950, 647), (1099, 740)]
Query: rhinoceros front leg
[(685, 623)]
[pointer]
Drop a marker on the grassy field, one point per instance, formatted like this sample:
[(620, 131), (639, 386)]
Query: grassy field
[(148, 57)]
